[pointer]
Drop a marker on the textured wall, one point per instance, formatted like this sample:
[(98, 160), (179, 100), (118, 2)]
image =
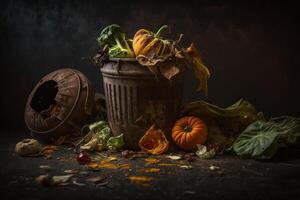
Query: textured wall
[(252, 49)]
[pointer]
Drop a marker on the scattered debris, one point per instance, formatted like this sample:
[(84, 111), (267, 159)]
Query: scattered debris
[(144, 180), (48, 150), (60, 140), (204, 153), (61, 180), (213, 167), (98, 180), (186, 166), (71, 171), (106, 164), (167, 164), (151, 161), (27, 147), (47, 168), (44, 180), (126, 154), (112, 158), (79, 184), (175, 157), (151, 170), (47, 180), (189, 158)]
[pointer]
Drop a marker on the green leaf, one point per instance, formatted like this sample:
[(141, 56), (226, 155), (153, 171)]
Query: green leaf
[(261, 139), (98, 126), (116, 142)]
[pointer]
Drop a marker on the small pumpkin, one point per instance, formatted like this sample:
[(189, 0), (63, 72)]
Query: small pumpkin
[(154, 141), (150, 44), (189, 131)]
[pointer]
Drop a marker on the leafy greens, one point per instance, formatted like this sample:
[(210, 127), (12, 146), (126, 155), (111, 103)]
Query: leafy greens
[(115, 39)]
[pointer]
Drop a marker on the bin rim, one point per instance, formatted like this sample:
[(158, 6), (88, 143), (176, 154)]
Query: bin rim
[(121, 59)]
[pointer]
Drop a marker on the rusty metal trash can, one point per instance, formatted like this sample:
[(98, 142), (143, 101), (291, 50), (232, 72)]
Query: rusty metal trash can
[(136, 98), (59, 105)]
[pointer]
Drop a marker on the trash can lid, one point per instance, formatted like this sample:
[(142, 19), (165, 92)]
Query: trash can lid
[(52, 100)]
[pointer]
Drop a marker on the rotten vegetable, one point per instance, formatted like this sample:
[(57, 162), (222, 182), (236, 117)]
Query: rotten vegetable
[(154, 141), (100, 138)]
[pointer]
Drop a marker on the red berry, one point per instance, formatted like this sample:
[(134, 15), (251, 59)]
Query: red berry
[(83, 158)]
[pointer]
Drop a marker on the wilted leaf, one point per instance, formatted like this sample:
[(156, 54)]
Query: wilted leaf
[(169, 70), (200, 70)]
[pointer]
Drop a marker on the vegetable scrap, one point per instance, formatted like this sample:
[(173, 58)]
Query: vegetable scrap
[(100, 138), (154, 141)]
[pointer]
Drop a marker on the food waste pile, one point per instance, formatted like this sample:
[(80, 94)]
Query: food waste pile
[(202, 131)]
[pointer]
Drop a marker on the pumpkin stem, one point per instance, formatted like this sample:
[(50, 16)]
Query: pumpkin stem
[(160, 30), (187, 128)]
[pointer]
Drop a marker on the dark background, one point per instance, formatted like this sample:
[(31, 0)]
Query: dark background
[(252, 49)]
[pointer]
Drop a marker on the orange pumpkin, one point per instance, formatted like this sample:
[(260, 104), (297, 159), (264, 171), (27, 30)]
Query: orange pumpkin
[(188, 132), (149, 44), (154, 141)]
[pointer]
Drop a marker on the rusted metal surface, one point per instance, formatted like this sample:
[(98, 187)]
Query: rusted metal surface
[(136, 98), (59, 104)]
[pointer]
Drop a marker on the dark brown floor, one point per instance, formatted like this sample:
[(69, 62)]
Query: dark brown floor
[(234, 179)]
